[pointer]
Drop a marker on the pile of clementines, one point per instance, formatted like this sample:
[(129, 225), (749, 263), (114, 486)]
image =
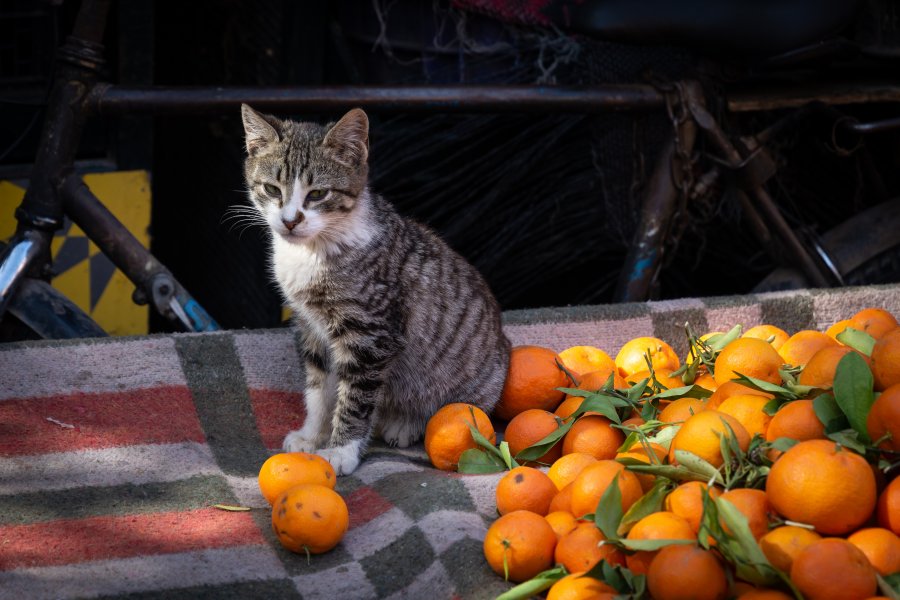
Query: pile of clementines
[(758, 467)]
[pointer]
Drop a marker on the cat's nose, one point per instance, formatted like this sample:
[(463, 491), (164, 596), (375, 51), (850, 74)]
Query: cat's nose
[(291, 223)]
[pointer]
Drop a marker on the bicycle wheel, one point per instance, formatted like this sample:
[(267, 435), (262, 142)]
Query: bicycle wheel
[(865, 250), (38, 311)]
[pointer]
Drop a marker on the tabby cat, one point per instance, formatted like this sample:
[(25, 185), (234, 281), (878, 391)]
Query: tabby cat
[(394, 324)]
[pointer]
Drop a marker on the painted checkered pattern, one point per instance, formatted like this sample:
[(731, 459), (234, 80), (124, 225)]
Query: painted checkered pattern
[(113, 451)]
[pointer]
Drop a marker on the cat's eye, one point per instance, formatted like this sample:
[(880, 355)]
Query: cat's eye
[(272, 190), (316, 194)]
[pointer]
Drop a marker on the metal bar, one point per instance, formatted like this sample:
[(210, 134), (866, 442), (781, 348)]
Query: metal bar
[(645, 254), (132, 100), (154, 282), (873, 127), (15, 262), (113, 238), (790, 96)]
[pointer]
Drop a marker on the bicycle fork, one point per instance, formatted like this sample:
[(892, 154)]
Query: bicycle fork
[(54, 190), (644, 260)]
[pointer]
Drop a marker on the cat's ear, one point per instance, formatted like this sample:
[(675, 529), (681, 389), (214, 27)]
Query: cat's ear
[(348, 139), (259, 130)]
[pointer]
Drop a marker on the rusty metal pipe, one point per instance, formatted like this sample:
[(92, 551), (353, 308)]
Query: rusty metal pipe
[(131, 100)]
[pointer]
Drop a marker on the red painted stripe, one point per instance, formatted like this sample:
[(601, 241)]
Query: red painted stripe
[(100, 420), (364, 504), (98, 538), (277, 414)]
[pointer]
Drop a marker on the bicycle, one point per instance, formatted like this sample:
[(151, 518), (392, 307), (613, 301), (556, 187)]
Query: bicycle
[(78, 92)]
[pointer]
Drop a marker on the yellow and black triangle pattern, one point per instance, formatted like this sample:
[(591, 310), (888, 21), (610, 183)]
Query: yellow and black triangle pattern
[(83, 273)]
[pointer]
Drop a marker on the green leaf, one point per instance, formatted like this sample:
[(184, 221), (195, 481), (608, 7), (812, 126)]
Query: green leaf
[(478, 462), (674, 472), (745, 554), (890, 585), (604, 404), (848, 438), (688, 391), (853, 393), (829, 413), (480, 439), (505, 455), (664, 436), (764, 386), (652, 545), (537, 584), (695, 464), (609, 510), (772, 407), (718, 342), (858, 340), (651, 502), (783, 444), (539, 448), (619, 578)]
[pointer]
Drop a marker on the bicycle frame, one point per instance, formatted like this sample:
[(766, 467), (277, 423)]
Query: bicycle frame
[(55, 190)]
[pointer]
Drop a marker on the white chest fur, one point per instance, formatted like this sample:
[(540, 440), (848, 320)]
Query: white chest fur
[(296, 267)]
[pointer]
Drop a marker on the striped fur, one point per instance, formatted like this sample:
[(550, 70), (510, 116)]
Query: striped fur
[(394, 323)]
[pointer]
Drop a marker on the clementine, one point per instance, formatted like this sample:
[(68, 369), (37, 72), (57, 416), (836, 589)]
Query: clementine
[(524, 488), (584, 547), (885, 360), (766, 332), (822, 484), (531, 382), (594, 479), (801, 346), (833, 568), (284, 470), (883, 421), (447, 434), (748, 356), (310, 518), (580, 360), (519, 545), (528, 428), (662, 525), (630, 358), (686, 571), (874, 321), (881, 546), (593, 435), (701, 436), (782, 545)]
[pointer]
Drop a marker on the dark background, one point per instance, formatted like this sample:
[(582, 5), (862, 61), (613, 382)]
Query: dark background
[(544, 205)]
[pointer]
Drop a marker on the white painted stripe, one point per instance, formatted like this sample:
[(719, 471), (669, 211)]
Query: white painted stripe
[(609, 336), (270, 360), (371, 471), (483, 491), (377, 534), (443, 528), (90, 367), (108, 466), (247, 492), (142, 574), (345, 582)]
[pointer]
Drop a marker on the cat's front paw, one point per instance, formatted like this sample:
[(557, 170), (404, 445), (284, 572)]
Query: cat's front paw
[(295, 441), (400, 433), (344, 458)]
